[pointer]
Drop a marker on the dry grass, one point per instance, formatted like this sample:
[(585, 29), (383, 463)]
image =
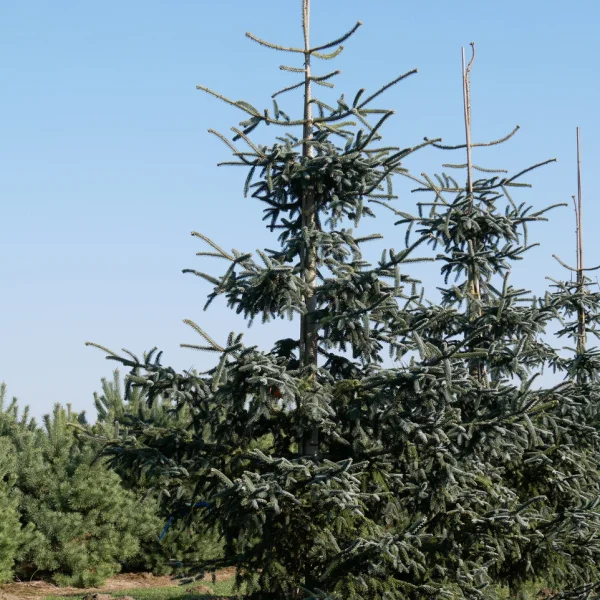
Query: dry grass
[(141, 586)]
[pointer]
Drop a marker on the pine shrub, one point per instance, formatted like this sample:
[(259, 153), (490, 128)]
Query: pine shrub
[(81, 523), (10, 524)]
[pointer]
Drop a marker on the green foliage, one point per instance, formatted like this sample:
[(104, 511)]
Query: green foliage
[(81, 523), (10, 524), (115, 415), (66, 515), (446, 475)]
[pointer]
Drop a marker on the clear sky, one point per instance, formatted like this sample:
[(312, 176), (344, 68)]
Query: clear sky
[(106, 165)]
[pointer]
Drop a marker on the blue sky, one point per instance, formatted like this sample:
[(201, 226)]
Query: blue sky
[(107, 166)]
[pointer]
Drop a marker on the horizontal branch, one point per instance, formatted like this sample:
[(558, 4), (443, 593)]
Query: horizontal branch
[(338, 41), (566, 266), (536, 166), (494, 143), (273, 46)]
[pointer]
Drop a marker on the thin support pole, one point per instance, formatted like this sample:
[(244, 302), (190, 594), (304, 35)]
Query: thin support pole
[(467, 110), (308, 329), (477, 367), (466, 71), (580, 265)]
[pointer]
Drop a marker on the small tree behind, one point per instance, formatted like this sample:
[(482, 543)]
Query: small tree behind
[(11, 534), (83, 524), (179, 543)]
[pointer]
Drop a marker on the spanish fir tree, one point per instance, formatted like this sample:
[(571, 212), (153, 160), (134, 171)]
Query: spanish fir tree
[(547, 458), (577, 307), (328, 473)]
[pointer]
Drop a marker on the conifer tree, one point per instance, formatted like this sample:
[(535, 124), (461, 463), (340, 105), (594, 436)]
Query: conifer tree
[(577, 307), (547, 473), (16, 536), (328, 474), (115, 415), (10, 525), (80, 522)]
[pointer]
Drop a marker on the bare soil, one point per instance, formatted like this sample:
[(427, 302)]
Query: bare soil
[(34, 590)]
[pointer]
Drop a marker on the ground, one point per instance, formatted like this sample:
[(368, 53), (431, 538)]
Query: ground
[(144, 586), (140, 586)]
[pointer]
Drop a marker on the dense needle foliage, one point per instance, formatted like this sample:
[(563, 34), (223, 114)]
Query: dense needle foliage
[(65, 515), (445, 473), (11, 534)]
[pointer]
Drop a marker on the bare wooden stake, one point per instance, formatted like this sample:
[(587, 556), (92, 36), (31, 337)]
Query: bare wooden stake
[(580, 268), (466, 70), (581, 344), (308, 330), (477, 367)]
